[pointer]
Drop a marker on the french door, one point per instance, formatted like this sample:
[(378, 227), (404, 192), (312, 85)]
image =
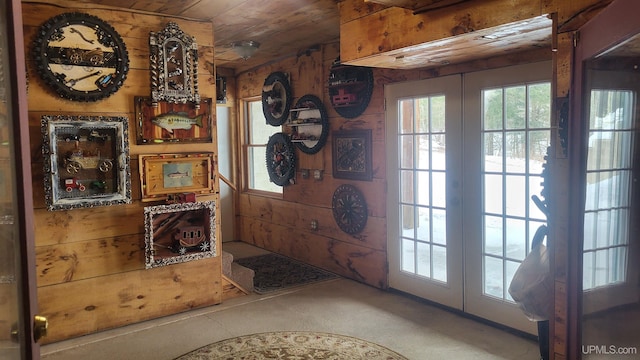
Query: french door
[(20, 327), (465, 154)]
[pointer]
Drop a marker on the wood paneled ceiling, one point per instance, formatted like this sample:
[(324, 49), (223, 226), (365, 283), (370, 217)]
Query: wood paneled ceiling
[(282, 27)]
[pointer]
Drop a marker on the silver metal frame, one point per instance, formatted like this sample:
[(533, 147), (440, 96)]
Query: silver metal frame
[(151, 233), (54, 126), (186, 64)]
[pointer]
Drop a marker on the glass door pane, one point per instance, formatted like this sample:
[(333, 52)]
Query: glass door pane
[(516, 123), (610, 272), (507, 133), (422, 174), (423, 171)]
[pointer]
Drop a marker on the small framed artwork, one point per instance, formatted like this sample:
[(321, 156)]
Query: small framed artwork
[(171, 122), (351, 154), (165, 174), (177, 233), (86, 161)]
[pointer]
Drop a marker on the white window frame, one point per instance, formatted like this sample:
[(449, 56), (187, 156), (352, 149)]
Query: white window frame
[(255, 118)]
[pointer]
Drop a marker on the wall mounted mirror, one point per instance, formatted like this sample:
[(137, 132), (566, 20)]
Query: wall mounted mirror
[(607, 149)]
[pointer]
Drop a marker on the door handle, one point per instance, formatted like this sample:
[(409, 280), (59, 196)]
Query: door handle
[(40, 325), (15, 334)]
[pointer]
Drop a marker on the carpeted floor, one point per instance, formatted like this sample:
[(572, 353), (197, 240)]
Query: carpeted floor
[(293, 345), (275, 272)]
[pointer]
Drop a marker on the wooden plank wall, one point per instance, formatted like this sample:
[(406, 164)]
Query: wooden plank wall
[(375, 29), (283, 225), (90, 262)]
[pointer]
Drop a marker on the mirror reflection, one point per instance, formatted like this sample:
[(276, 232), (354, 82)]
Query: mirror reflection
[(611, 282)]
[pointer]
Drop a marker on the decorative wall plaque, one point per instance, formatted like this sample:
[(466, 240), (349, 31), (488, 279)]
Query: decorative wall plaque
[(172, 123), (350, 89), (80, 56), (281, 159), (276, 98), (352, 154), (349, 209), (86, 161), (177, 233), (309, 124), (164, 174), (174, 66)]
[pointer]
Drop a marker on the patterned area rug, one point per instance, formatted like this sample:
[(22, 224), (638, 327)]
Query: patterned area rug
[(293, 345), (276, 272)]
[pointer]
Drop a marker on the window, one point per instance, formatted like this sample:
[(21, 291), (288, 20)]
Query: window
[(516, 127), (609, 182), (257, 135)]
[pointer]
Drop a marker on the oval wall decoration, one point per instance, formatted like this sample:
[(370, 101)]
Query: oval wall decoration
[(350, 89), (281, 159), (276, 98), (310, 124)]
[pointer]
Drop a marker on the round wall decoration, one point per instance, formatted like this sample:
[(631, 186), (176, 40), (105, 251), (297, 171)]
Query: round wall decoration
[(350, 89), (281, 159), (276, 98), (310, 124), (349, 209), (80, 56)]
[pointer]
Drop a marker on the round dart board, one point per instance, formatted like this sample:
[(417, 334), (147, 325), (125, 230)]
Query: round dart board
[(349, 209)]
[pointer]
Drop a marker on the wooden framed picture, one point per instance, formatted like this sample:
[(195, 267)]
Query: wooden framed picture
[(86, 161), (351, 154), (172, 122), (177, 233), (164, 174)]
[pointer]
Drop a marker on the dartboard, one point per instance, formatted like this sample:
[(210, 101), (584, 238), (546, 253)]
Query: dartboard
[(349, 209)]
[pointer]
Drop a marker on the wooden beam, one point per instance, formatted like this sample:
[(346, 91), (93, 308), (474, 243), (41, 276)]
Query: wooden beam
[(394, 29)]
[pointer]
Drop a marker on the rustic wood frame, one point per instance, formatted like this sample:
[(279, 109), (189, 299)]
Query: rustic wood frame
[(162, 232), (148, 132), (75, 147), (157, 184), (349, 162)]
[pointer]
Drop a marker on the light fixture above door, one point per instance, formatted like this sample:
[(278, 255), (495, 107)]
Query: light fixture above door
[(245, 48)]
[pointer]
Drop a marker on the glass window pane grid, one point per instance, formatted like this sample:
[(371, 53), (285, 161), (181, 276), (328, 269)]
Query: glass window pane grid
[(519, 133), (258, 133), (419, 256), (608, 190)]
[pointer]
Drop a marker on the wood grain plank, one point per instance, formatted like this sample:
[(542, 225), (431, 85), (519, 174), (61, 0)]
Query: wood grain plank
[(80, 307), (354, 262), (89, 259), (298, 217), (395, 28), (61, 227)]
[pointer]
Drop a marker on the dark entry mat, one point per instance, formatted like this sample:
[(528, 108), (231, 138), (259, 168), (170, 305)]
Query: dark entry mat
[(276, 272)]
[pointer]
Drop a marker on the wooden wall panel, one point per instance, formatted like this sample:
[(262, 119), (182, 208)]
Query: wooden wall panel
[(85, 306), (90, 262), (60, 227), (299, 216), (356, 262), (87, 259)]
